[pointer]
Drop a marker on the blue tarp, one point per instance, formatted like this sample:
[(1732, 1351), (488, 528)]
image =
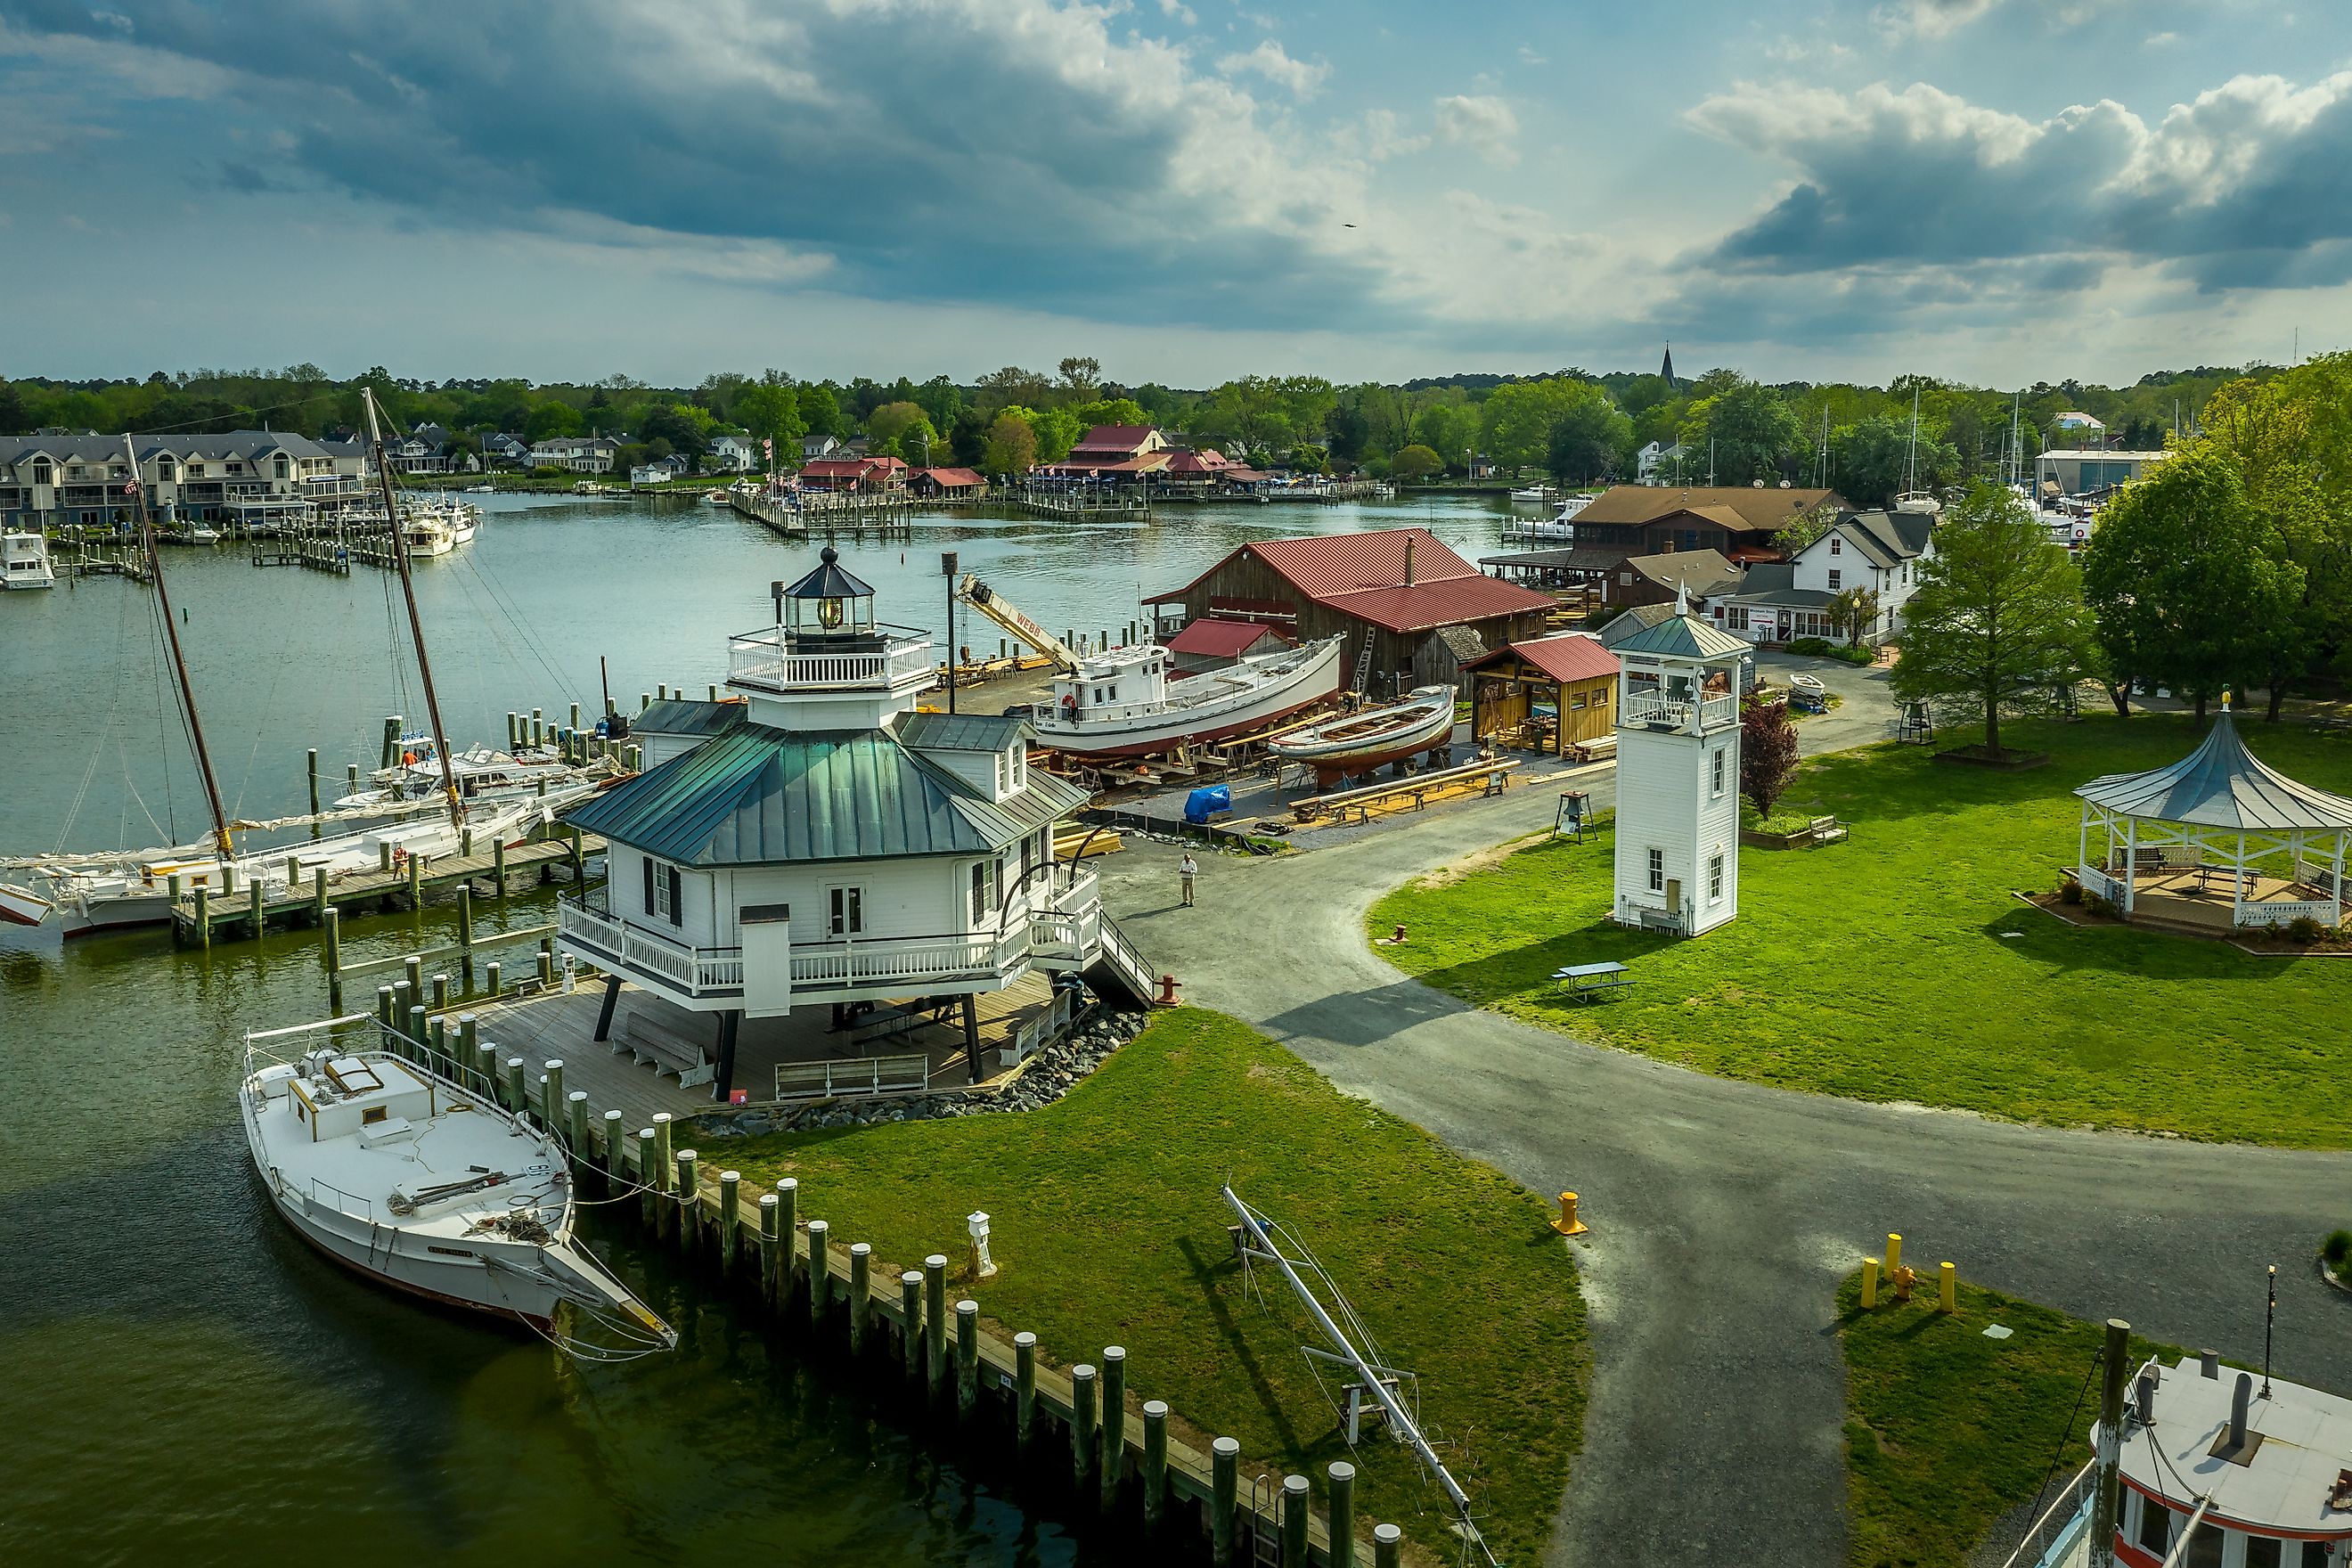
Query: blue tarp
[(1202, 804)]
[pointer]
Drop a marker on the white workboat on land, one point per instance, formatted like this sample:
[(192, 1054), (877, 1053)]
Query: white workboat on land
[(1356, 743), (1124, 702), (399, 1171)]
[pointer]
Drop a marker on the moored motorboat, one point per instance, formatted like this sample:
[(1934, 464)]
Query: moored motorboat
[(386, 1158), (25, 562), (1355, 743), (1124, 702)]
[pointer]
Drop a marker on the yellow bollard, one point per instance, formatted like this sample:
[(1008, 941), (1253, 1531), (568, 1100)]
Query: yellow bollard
[(1869, 1283), (1950, 1298), (1893, 1252), (1568, 1224)]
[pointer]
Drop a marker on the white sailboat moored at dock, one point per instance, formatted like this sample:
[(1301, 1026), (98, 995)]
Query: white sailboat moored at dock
[(390, 1164)]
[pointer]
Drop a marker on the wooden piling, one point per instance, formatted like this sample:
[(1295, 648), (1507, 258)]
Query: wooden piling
[(1114, 1420), (490, 981), (320, 908), (615, 1157), (769, 1239), (416, 881), (1342, 1514), (440, 991), (820, 1272), (1025, 1389), (498, 865), (414, 1031), (254, 893), (861, 1291), (730, 1218), (466, 920), (330, 953), (314, 789), (469, 1039), (1294, 1522), (514, 1095), (546, 967), (967, 1355), (1388, 1546), (788, 1197), (575, 1114), (1082, 1423), (1155, 1459), (391, 753), (404, 996), (485, 1065), (663, 1170), (1225, 1487), (910, 1317), (551, 1093), (935, 1315), (204, 916), (648, 1193), (689, 1200), (411, 968), (383, 1000)]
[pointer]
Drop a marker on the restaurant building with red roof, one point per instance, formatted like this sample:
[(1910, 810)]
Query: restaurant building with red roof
[(947, 484), (1423, 610), (861, 474)]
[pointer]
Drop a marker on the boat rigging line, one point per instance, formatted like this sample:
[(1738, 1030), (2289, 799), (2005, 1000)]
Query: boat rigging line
[(416, 623), (179, 663), (1258, 1244)]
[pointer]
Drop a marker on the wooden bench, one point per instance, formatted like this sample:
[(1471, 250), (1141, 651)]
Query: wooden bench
[(1591, 981), (664, 1049), (1824, 830), (892, 1020)]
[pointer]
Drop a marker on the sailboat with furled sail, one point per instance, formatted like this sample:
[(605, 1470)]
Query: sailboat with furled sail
[(95, 892)]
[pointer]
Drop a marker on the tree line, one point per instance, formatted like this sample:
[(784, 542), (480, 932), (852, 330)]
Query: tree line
[(2225, 569), (1580, 428)]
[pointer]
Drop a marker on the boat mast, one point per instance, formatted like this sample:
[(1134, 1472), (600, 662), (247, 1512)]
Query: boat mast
[(415, 625), (179, 663)]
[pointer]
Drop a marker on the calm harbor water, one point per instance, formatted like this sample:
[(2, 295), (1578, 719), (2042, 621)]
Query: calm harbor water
[(180, 1378)]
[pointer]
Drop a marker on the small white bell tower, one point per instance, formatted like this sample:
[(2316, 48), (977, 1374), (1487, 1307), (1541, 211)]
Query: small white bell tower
[(1679, 775)]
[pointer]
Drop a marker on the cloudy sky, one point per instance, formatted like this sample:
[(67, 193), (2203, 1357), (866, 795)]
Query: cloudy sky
[(2004, 190)]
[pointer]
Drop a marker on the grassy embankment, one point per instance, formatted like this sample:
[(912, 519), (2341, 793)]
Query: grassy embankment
[(1109, 1224), (1898, 965), (1946, 1430)]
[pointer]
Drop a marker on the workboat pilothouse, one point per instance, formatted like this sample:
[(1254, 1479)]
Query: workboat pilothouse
[(1125, 702), (380, 1154), (25, 562)]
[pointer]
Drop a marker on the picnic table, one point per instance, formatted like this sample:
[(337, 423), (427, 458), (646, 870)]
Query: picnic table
[(1587, 982)]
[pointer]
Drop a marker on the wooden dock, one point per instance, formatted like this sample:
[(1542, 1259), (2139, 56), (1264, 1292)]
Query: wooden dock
[(302, 896), (1050, 503), (887, 512)]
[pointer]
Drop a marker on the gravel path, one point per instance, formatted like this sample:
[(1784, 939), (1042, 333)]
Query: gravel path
[(1723, 1212)]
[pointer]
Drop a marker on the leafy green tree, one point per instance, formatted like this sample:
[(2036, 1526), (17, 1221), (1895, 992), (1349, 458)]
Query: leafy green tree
[(1309, 458), (1751, 427), (1872, 462), (676, 423), (2182, 585), (1450, 429), (553, 419), (12, 421), (1997, 615), (942, 401), (772, 413), (820, 410), (885, 424), (1013, 387), (1107, 411), (1415, 463), (1012, 445), (1853, 612), (1080, 378), (1591, 440)]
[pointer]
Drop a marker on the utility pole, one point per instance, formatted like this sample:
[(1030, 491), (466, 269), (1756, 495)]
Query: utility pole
[(2113, 1369), (947, 569)]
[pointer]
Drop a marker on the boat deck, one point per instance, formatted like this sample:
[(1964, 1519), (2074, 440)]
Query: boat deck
[(563, 1025)]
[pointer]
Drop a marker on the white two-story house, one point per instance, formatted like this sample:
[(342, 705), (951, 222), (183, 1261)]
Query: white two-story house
[(815, 839), (1881, 552)]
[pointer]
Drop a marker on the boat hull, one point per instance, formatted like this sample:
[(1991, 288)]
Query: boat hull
[(1315, 679), (18, 907), (1336, 759)]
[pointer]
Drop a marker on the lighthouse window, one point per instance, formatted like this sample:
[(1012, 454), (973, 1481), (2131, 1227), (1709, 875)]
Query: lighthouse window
[(1715, 867), (1718, 770), (1657, 870), (846, 914)]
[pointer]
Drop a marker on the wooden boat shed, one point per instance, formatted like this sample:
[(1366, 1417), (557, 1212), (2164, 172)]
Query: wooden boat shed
[(1419, 608), (1571, 674)]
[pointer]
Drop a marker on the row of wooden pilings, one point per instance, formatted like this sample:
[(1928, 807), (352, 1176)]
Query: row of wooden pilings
[(1122, 1460)]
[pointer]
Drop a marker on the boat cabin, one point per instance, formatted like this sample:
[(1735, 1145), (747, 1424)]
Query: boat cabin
[(1114, 684), (25, 562), (376, 1100), (2273, 1457)]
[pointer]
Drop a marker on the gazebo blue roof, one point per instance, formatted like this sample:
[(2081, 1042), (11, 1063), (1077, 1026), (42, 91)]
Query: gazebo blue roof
[(2222, 784)]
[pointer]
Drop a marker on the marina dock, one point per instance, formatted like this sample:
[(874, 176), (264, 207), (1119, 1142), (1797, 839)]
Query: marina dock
[(304, 894)]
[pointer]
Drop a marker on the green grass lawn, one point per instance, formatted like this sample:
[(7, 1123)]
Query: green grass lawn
[(1946, 1430), (1897, 967), (1109, 1227)]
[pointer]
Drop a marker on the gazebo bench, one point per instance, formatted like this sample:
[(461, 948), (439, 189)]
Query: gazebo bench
[(1825, 830)]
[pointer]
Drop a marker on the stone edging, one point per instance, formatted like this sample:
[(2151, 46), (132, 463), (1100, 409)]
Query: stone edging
[(1043, 1079)]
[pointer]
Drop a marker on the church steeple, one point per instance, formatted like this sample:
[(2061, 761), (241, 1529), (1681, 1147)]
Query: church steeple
[(1667, 369)]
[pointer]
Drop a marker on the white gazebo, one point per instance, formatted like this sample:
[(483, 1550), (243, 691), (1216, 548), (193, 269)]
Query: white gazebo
[(2217, 831)]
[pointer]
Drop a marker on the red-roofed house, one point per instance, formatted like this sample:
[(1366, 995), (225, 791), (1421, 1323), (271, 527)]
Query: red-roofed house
[(854, 474), (1423, 609), (1552, 694), (948, 484), (1213, 643), (1122, 454)]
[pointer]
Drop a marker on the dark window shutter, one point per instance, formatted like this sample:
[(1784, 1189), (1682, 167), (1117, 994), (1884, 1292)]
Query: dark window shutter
[(648, 864), (676, 901)]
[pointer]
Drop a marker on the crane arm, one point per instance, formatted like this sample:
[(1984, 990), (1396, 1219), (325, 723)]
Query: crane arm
[(980, 597)]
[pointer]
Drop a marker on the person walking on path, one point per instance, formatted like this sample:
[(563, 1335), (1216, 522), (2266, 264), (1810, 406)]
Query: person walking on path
[(1186, 869)]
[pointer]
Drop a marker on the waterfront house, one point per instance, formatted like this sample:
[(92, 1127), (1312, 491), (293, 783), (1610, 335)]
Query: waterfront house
[(947, 484), (1780, 601), (1658, 464), (827, 845), (58, 477), (1547, 694), (1418, 607), (506, 450), (862, 475), (814, 448), (580, 454), (733, 454), (1741, 522), (1114, 454)]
